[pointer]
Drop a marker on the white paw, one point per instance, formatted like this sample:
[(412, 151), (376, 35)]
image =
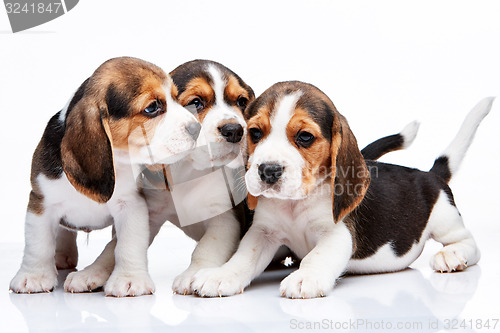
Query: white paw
[(449, 260), (306, 284), (217, 282), (87, 280), (182, 283), (129, 284), (28, 282), (66, 260)]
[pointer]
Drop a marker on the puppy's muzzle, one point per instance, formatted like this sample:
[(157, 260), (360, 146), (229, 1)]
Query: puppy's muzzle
[(232, 132), (270, 173), (193, 129)]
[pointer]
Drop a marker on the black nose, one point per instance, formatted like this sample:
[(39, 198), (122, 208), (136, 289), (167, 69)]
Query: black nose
[(270, 173), (232, 132), (193, 129)]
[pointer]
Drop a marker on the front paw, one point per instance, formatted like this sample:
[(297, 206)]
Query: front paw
[(218, 282), (87, 280), (28, 282), (129, 284), (182, 283), (305, 284)]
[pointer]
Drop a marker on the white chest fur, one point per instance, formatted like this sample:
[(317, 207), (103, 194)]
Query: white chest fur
[(62, 200), (298, 223), (77, 211)]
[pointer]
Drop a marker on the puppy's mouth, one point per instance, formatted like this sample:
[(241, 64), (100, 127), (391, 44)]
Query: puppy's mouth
[(271, 191), (215, 154), (167, 155), (278, 190)]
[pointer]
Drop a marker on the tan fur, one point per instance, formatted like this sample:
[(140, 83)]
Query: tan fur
[(252, 201), (174, 92), (35, 203), (262, 121), (234, 90), (134, 132), (198, 88), (317, 156), (351, 172)]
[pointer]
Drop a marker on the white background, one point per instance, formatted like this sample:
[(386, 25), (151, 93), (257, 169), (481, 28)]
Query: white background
[(383, 63)]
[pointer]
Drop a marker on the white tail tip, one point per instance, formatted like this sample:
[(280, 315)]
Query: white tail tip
[(481, 109), (409, 133), (458, 147)]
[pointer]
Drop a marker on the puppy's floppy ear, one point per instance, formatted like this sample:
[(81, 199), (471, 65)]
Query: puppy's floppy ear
[(86, 153), (350, 175)]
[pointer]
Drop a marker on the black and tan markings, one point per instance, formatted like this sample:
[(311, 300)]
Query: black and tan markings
[(103, 112), (398, 201), (196, 87)]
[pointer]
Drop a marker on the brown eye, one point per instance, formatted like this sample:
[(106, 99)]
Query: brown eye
[(196, 104), (153, 110), (255, 134), (242, 102), (304, 139)]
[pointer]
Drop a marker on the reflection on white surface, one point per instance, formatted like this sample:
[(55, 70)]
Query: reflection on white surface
[(403, 297), (415, 297)]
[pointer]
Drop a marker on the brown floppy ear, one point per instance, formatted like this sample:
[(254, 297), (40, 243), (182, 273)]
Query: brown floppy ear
[(252, 201), (86, 154), (350, 175)]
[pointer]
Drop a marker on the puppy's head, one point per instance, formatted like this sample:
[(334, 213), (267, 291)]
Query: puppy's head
[(296, 140), (218, 97), (126, 111)]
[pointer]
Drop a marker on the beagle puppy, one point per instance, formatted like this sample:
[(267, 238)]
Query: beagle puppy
[(313, 192), (219, 97), (85, 168), (203, 192)]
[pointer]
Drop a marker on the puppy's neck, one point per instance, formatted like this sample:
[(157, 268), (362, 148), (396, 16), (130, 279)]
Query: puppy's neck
[(320, 191)]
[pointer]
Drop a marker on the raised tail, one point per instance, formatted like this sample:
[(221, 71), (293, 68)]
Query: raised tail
[(385, 145), (450, 159)]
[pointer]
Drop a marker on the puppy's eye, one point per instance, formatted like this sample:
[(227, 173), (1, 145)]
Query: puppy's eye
[(196, 105), (304, 139), (242, 102), (153, 110), (255, 134)]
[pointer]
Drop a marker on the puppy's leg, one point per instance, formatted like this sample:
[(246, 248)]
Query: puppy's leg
[(447, 227), (322, 265), (213, 250), (95, 275), (255, 252), (66, 249), (155, 224), (130, 276), (38, 269)]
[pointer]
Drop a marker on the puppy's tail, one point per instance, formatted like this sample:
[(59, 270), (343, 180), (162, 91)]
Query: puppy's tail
[(394, 142), (450, 159)]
